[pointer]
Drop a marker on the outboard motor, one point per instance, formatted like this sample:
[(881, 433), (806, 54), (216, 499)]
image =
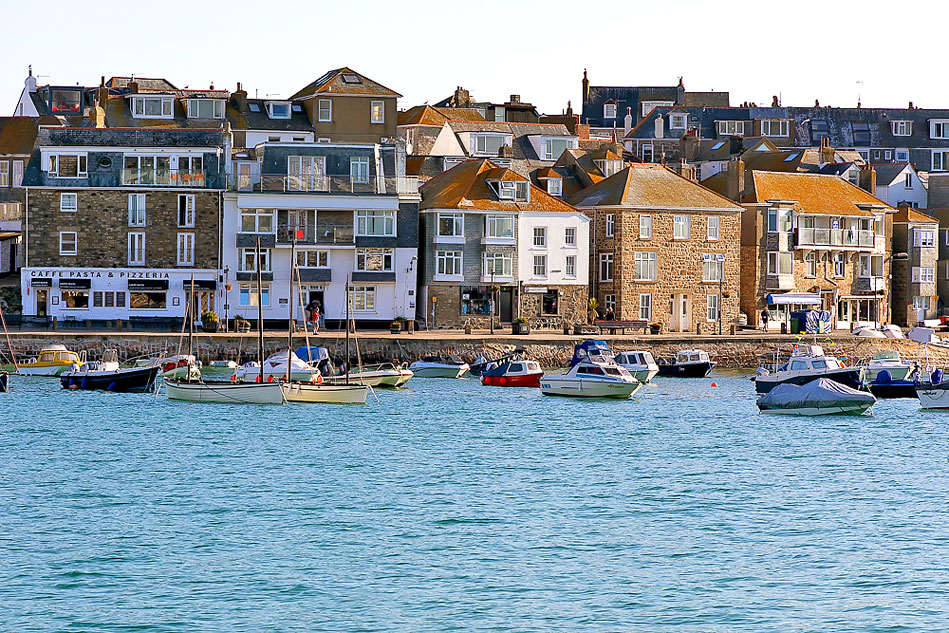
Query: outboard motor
[(936, 376), (884, 377)]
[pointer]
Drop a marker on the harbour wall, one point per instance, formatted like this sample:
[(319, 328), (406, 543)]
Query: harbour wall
[(729, 351)]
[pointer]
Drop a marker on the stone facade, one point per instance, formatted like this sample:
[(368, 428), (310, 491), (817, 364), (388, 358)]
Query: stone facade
[(101, 223), (910, 295), (571, 307), (679, 267)]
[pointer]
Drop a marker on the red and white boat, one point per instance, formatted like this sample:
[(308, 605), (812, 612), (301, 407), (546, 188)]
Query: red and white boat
[(514, 372)]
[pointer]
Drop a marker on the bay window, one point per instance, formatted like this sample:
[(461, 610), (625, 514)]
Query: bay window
[(375, 223), (780, 263), (499, 226)]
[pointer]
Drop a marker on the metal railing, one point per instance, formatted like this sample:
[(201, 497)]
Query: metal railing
[(325, 183), (322, 233), (164, 177), (836, 237), (11, 211)]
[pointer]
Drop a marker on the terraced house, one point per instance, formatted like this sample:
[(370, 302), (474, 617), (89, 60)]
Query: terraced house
[(119, 221), (664, 249), (493, 243)]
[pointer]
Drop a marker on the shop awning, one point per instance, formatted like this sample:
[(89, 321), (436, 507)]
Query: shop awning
[(154, 285), (75, 284), (797, 298)]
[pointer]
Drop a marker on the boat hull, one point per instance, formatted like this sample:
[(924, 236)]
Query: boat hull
[(643, 375), (528, 380), (812, 411), (225, 392), (325, 393), (894, 389), (933, 396), (4, 382), (44, 370), (896, 373), (138, 379), (557, 386), (686, 370), (383, 378), (440, 372), (850, 377)]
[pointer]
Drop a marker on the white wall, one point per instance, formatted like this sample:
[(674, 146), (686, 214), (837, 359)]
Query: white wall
[(556, 249), (254, 137), (897, 192), (446, 144)]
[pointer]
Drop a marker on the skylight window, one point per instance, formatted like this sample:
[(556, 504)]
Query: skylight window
[(718, 145), (254, 107), (350, 78), (297, 107), (790, 158)]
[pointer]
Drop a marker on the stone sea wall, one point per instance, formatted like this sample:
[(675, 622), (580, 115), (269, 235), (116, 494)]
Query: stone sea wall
[(550, 350)]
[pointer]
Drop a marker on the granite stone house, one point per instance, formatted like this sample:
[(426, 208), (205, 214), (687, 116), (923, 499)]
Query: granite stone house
[(663, 249), (17, 135), (915, 255), (493, 241)]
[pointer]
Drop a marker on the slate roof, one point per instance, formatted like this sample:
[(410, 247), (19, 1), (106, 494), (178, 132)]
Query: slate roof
[(332, 83), (248, 120), (520, 132), (818, 194), (651, 186), (144, 83), (633, 96), (888, 172), (17, 135), (127, 137), (465, 186), (907, 215)]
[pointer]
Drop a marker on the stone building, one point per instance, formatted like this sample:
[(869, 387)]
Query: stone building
[(493, 242), (17, 135), (663, 249), (915, 254), (119, 221), (812, 241)]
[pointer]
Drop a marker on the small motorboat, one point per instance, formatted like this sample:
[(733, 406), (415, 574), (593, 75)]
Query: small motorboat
[(821, 396), (107, 375), (482, 364), (640, 364), (4, 382), (934, 393), (53, 360), (224, 391), (514, 372), (228, 364), (592, 351), (591, 380), (884, 386), (688, 363), (439, 367), (805, 363), (275, 367), (381, 375), (890, 361)]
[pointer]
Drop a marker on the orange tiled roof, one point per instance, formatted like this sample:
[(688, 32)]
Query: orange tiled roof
[(821, 194), (465, 186)]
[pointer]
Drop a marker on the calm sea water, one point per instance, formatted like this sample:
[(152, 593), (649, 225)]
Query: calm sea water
[(452, 506)]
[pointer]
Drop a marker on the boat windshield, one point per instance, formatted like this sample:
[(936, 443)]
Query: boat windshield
[(887, 355), (647, 358), (833, 363), (590, 369), (819, 364), (612, 371), (516, 367)]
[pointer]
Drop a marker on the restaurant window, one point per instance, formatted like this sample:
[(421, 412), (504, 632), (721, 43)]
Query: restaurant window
[(248, 294), (148, 300), (364, 298), (475, 300), (75, 299), (549, 302)]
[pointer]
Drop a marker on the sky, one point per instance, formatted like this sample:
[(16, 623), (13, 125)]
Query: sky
[(801, 50)]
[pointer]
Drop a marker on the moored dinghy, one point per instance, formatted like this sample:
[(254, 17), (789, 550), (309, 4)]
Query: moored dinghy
[(822, 396), (107, 375), (514, 372)]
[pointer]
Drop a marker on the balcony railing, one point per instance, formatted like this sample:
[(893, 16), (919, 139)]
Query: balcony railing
[(164, 177), (10, 211), (835, 237), (322, 233), (315, 183)]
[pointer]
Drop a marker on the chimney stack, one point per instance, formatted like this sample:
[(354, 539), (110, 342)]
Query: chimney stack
[(736, 145), (684, 169), (515, 99), (506, 151), (735, 180), (30, 81), (569, 111), (826, 151), (462, 98), (586, 86), (240, 98), (910, 105), (660, 126), (867, 179), (689, 145), (133, 87), (102, 93), (627, 122), (774, 102)]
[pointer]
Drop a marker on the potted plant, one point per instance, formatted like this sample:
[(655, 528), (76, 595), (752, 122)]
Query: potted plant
[(655, 328), (593, 310), (521, 326), (209, 321), (241, 325), (398, 323)]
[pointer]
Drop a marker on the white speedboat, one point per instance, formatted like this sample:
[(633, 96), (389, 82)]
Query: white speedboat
[(591, 380), (382, 375), (822, 396), (53, 360), (325, 393), (890, 361), (806, 363), (275, 367), (640, 364), (229, 364), (439, 367), (224, 391)]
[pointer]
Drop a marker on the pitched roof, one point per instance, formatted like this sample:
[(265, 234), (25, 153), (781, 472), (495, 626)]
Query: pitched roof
[(335, 82), (888, 172), (17, 135), (651, 186), (465, 186), (819, 194), (144, 83), (907, 214)]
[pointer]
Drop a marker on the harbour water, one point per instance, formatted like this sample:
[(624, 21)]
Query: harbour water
[(452, 506)]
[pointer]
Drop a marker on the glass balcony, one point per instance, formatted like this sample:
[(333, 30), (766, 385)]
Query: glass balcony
[(164, 177), (325, 183)]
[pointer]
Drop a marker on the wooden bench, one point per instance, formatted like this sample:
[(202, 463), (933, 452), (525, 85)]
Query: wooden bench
[(613, 325)]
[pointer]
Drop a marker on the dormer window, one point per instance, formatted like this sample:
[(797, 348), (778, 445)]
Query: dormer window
[(65, 100), (678, 121), (902, 128), (513, 190), (555, 186), (555, 147), (279, 110), (731, 128), (205, 109), (774, 127), (152, 107), (489, 144), (610, 166), (649, 106), (609, 110)]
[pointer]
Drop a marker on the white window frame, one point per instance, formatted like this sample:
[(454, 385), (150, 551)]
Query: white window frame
[(923, 275), (681, 227), (540, 266), (247, 260), (490, 261), (136, 248), (648, 106), (324, 108), (217, 108), (714, 232), (940, 160), (810, 265), (609, 301), (321, 258), (606, 271), (645, 266), (678, 121), (492, 221), (609, 110), (249, 291), (64, 240), (17, 173), (645, 306), (713, 267), (775, 260), (65, 207), (767, 127), (570, 236), (570, 266), (939, 129), (730, 128), (610, 224), (712, 308), (4, 173), (185, 253), (189, 213), (839, 263), (645, 226), (364, 298), (364, 217), (359, 169), (283, 104), (901, 128), (381, 105), (388, 260), (540, 237), (138, 212), (457, 224), (167, 107), (555, 186), (924, 238), (257, 215), (449, 263), (82, 165)]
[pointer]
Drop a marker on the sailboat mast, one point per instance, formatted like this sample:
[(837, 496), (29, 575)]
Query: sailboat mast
[(347, 331), (191, 317), (260, 314), (293, 261)]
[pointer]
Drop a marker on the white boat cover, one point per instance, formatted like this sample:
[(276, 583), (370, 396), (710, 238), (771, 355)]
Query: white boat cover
[(822, 393)]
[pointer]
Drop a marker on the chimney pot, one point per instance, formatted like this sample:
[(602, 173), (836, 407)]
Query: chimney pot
[(910, 105), (515, 99)]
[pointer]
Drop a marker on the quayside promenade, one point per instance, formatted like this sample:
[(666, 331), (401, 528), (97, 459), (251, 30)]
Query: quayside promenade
[(551, 350)]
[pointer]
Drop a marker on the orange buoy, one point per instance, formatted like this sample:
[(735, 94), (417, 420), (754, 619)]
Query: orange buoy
[(714, 384)]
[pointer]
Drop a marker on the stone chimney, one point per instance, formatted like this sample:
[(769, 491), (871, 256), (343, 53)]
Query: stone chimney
[(102, 93), (569, 111), (586, 87), (660, 126), (583, 131), (683, 168), (774, 102), (627, 122), (515, 99), (240, 98), (133, 87), (97, 115), (867, 179), (689, 145), (462, 98), (735, 180), (826, 152), (736, 145), (506, 151), (680, 93)]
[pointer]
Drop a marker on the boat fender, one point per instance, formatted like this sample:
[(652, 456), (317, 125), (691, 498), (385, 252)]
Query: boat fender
[(257, 379), (269, 378), (319, 378), (85, 381), (233, 378), (111, 386), (884, 377), (502, 381)]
